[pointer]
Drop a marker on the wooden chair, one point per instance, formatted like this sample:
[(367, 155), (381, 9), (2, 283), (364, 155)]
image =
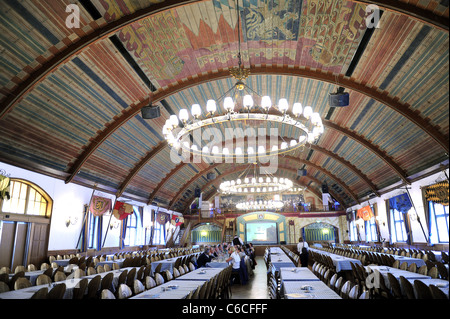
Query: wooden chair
[(107, 267), (59, 276), (122, 277), (354, 292), (404, 266), (44, 266), (22, 283), (140, 273), (79, 273), (395, 286), (168, 275), (91, 271), (43, 279), (100, 269), (396, 264), (138, 287), (364, 295), (107, 282), (80, 289), (338, 285), (203, 289), (186, 269), (130, 277), (116, 266), (19, 268), (437, 293), (345, 289), (423, 270), (3, 287), (93, 287), (442, 270), (412, 267), (40, 294), (57, 292), (191, 266), (422, 290), (433, 273), (408, 288), (107, 294), (31, 267), (159, 279), (149, 282), (124, 292)]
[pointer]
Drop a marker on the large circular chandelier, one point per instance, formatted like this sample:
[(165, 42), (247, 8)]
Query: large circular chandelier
[(239, 106), (251, 181), (260, 204)]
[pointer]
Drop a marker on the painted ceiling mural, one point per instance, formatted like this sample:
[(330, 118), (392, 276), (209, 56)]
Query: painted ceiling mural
[(70, 97)]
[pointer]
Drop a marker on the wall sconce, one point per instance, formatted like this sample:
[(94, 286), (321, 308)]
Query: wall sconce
[(381, 220), (71, 221), (115, 224)]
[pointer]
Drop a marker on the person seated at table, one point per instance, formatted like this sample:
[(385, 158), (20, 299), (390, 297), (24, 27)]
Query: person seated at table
[(304, 257), (205, 257), (213, 252)]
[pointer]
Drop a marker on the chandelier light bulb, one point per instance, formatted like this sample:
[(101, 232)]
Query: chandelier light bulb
[(225, 151), (247, 101), (211, 106), (283, 105), (174, 120), (183, 115), (196, 110), (228, 104), (215, 149), (266, 103), (297, 109), (238, 151), (284, 145), (307, 112), (205, 149), (261, 149)]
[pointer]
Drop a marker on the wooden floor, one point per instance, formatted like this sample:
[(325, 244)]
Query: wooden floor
[(256, 288)]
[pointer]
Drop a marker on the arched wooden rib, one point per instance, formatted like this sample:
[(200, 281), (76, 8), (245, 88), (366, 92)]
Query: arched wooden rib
[(147, 158)]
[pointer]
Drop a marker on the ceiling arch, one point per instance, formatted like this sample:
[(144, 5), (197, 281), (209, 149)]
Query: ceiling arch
[(111, 27), (389, 62)]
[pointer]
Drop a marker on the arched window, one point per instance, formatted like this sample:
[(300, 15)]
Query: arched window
[(28, 199)]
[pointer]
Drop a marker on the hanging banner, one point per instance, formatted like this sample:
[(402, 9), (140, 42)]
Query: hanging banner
[(162, 218), (438, 193), (177, 220), (365, 213), (122, 210), (100, 205), (401, 203)]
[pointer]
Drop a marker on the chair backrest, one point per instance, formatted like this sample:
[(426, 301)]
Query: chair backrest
[(78, 273), (159, 279), (19, 268), (91, 271), (123, 277), (93, 287), (31, 267), (80, 289), (107, 294), (186, 269), (422, 290), (407, 288), (40, 294), (3, 287), (59, 276), (404, 266), (437, 293), (107, 267), (395, 286), (130, 277), (21, 283), (345, 289), (43, 279), (57, 292), (107, 281), (353, 294), (138, 287), (181, 270), (44, 266), (116, 266), (423, 270), (150, 282), (100, 269), (191, 267), (333, 280), (338, 285), (433, 273), (442, 270), (396, 264), (168, 275), (176, 272), (412, 267), (124, 292), (158, 268), (364, 295)]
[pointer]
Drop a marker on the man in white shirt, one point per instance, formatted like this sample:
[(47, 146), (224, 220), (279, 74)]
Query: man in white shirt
[(235, 259), (301, 244)]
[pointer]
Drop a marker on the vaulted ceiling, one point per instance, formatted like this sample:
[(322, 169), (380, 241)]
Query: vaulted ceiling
[(71, 96)]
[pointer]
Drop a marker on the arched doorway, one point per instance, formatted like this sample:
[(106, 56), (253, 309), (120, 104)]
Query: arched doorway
[(262, 228), (206, 234), (320, 232)]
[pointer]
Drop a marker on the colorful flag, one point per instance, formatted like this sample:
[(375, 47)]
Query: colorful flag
[(162, 218), (365, 213), (122, 210), (177, 220), (100, 205)]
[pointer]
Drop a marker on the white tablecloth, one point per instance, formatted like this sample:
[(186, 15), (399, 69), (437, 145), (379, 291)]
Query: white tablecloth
[(279, 259), (174, 289), (293, 290), (201, 274), (297, 274), (340, 262)]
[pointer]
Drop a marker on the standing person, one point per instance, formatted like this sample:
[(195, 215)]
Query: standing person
[(301, 244), (236, 260), (304, 257)]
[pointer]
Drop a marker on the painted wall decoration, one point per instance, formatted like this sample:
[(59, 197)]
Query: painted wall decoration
[(262, 217)]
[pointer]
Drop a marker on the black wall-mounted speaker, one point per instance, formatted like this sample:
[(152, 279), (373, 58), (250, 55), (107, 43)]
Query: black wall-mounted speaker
[(197, 192), (338, 99), (211, 176), (150, 112), (324, 188)]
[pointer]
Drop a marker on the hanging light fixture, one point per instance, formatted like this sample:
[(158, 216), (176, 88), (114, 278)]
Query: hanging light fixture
[(242, 104), (260, 204)]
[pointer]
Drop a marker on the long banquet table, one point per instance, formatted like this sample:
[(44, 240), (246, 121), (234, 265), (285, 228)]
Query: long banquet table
[(295, 290), (279, 259), (297, 274), (340, 262), (170, 290)]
